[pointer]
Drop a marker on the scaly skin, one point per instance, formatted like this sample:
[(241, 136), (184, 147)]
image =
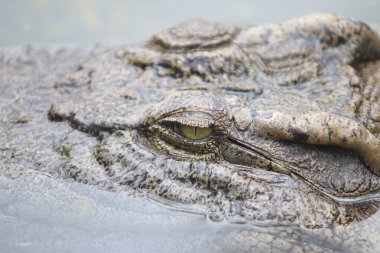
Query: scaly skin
[(286, 120)]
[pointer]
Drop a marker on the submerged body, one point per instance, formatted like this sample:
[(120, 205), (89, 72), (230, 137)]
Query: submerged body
[(276, 124)]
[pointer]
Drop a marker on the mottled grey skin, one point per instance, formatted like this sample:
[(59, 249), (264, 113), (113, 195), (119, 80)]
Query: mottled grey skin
[(293, 107), (295, 139)]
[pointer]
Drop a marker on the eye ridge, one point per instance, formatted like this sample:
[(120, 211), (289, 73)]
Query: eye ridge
[(190, 118)]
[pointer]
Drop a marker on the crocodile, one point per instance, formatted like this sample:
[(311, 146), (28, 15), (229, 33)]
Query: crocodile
[(276, 124)]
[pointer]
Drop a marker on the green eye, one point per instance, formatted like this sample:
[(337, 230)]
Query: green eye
[(195, 133)]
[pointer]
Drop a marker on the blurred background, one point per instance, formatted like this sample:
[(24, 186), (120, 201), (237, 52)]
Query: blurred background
[(85, 22)]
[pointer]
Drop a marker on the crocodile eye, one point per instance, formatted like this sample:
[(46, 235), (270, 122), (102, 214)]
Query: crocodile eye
[(184, 134), (194, 133)]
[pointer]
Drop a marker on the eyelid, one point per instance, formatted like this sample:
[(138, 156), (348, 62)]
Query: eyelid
[(193, 119)]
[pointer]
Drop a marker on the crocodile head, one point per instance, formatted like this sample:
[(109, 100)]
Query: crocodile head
[(291, 139)]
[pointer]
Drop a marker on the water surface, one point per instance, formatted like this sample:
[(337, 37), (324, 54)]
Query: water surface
[(117, 21)]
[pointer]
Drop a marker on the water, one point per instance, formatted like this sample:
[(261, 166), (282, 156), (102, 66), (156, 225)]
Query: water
[(40, 214), (116, 21)]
